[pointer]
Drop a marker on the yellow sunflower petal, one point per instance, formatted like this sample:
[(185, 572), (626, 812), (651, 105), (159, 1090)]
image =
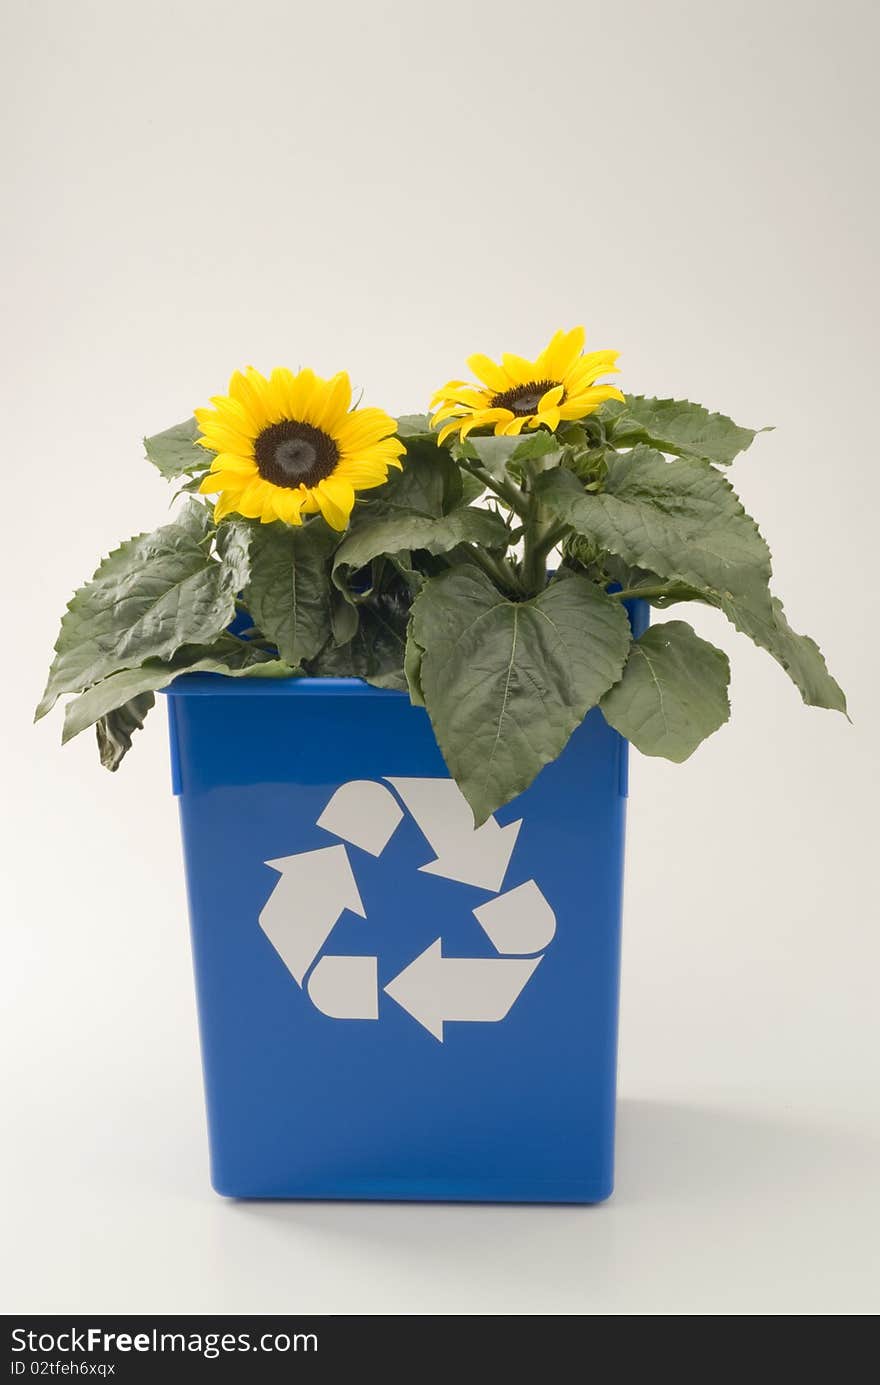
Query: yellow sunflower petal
[(373, 457), (469, 424), (362, 478), (547, 358), (595, 395), (512, 427), (449, 388), (302, 389), (329, 402), (385, 462), (588, 368), (362, 427), (288, 505), (231, 414), (224, 481), (576, 408), (550, 398), (447, 432), (317, 402), (561, 353), (337, 402), (379, 453), (390, 443), (518, 370), (480, 418), (488, 416), (588, 401), (489, 372), (336, 499), (447, 412), (229, 461), (268, 514), (549, 417), (252, 499), (249, 388), (472, 398), (349, 468), (226, 504), (222, 440), (282, 382), (217, 425)]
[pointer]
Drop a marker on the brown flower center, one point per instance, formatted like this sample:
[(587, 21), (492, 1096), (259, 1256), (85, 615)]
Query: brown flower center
[(523, 399), (294, 454)]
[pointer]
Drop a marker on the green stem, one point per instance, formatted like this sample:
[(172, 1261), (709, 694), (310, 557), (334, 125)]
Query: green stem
[(534, 562), (498, 569), (539, 540), (553, 535), (508, 492)]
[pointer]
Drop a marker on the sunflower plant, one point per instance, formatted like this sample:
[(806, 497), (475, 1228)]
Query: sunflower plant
[(482, 558)]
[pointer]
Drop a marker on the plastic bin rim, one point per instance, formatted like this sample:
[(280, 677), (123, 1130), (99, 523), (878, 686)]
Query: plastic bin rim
[(221, 685)]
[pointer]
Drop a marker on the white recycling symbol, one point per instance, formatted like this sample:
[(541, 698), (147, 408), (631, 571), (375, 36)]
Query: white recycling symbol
[(316, 887)]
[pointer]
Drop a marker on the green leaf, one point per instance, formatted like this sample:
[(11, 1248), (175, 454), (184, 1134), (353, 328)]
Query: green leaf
[(190, 487), (116, 729), (673, 693), (227, 655), (288, 594), (639, 580), (506, 683), (498, 453), (539, 445), (412, 578), (674, 593), (377, 651), (175, 452), (415, 426), (396, 533), (493, 453), (471, 488), (680, 519), (762, 618), (383, 633), (676, 426), (343, 616), (429, 484), (193, 519), (412, 668), (234, 540), (150, 596)]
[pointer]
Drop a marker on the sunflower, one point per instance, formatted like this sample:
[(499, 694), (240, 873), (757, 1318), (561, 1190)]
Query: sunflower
[(291, 445), (559, 385)]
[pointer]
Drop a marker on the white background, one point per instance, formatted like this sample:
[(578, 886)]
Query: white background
[(388, 187)]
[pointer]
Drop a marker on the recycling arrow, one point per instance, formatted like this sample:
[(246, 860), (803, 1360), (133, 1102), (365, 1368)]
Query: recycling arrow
[(299, 915), (474, 856), (435, 989), (316, 887)]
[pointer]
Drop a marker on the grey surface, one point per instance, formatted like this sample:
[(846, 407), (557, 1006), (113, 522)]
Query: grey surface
[(388, 190)]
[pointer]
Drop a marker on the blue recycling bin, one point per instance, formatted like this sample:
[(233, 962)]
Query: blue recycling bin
[(391, 1004)]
